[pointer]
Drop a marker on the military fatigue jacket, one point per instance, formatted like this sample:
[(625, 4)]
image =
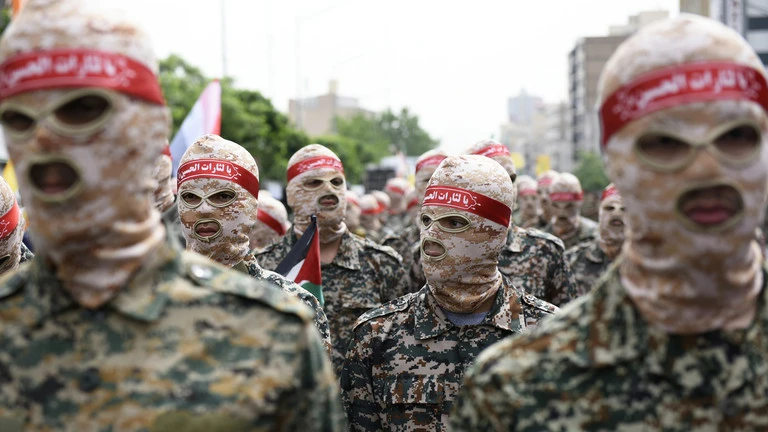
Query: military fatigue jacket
[(252, 267), (405, 363), (588, 262), (599, 366), (362, 276), (173, 223), (187, 345), (585, 231), (535, 262), (403, 243)]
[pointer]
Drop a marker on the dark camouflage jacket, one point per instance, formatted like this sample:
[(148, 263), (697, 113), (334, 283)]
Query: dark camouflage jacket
[(187, 345), (586, 231), (173, 223), (534, 261), (362, 276), (26, 254), (406, 361), (404, 244), (588, 262), (599, 366)]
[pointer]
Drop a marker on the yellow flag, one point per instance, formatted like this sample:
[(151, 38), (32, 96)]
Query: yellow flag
[(518, 160), (543, 164), (10, 177)]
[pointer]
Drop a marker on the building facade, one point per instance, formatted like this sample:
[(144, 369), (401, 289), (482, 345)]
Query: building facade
[(316, 115)]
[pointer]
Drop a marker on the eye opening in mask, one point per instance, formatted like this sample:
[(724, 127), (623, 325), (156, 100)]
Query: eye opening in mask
[(218, 198), (314, 183), (449, 222), (735, 143), (5, 260), (79, 112)]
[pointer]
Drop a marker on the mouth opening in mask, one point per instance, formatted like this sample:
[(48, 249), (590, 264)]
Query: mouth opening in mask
[(328, 202), (616, 223), (711, 208), (433, 249), (207, 229), (54, 180)]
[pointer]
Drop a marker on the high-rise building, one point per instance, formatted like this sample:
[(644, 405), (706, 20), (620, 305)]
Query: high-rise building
[(520, 108), (316, 115)]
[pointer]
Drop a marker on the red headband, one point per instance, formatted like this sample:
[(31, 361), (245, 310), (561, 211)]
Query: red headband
[(544, 181), (466, 200), (413, 202), (566, 196), (528, 192), (167, 151), (430, 161), (218, 169), (67, 68), (353, 200), (493, 150), (374, 211), (10, 220), (270, 222), (678, 85), (395, 189), (313, 164), (609, 192)]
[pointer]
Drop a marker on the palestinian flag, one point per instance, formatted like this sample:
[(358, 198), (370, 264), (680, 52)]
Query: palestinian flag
[(302, 264)]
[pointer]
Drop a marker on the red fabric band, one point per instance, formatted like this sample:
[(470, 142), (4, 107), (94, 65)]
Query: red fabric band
[(313, 164), (679, 85), (609, 192), (528, 192), (373, 211), (466, 200), (430, 161), (67, 68), (218, 169), (270, 222), (493, 150), (353, 200), (412, 203), (546, 181), (10, 220), (395, 189), (566, 196), (167, 151)]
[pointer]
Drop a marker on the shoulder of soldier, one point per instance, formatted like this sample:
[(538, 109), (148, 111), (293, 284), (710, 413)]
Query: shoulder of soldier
[(577, 251), (543, 238), (537, 304), (399, 304), (370, 247), (12, 283), (270, 256)]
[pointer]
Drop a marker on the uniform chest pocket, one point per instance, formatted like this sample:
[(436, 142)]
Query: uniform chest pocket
[(414, 389)]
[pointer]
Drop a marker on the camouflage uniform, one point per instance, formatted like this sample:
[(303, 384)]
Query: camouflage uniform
[(534, 262), (403, 244), (586, 231), (362, 276), (251, 267), (185, 345), (588, 262), (26, 254), (173, 223), (614, 371), (405, 365)]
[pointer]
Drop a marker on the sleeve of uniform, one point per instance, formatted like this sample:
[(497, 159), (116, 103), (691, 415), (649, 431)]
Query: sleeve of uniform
[(357, 383), (474, 409), (562, 279)]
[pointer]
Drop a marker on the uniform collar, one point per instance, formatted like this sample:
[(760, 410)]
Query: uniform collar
[(430, 321), (348, 255), (594, 253)]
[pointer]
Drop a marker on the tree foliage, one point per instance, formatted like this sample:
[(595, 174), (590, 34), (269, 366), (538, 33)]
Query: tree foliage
[(590, 172), (385, 133)]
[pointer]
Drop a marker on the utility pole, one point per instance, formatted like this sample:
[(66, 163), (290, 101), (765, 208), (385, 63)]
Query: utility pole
[(224, 71)]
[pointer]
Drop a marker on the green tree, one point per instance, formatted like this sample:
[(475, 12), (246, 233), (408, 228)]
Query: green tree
[(590, 172), (385, 133)]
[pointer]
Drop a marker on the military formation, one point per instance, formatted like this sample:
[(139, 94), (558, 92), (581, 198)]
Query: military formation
[(471, 299)]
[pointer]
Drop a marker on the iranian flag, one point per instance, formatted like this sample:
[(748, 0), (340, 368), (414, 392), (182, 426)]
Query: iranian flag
[(302, 264)]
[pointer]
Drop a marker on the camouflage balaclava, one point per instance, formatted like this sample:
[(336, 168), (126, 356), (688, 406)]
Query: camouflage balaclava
[(316, 185), (412, 206), (542, 187), (85, 121), (683, 116), (565, 197), (426, 164), (496, 151), (464, 221), (397, 189), (162, 174), (11, 229), (527, 197), (271, 223), (611, 221), (218, 186), (353, 211), (384, 205), (370, 209)]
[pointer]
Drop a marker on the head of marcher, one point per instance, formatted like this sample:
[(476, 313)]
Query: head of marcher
[(84, 137), (412, 205), (317, 186), (426, 164), (464, 221), (496, 151), (397, 189), (218, 186), (611, 221), (353, 211), (271, 222), (384, 204), (543, 182), (527, 197), (683, 114), (566, 197), (164, 192), (370, 209), (11, 229)]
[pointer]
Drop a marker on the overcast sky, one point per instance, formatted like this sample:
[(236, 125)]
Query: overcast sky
[(453, 63)]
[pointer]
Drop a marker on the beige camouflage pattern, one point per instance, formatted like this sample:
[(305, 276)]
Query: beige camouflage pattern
[(611, 224), (466, 274), (164, 196), (101, 232), (404, 367), (424, 172), (305, 203), (565, 212), (369, 216), (262, 235), (235, 220), (683, 277), (353, 213), (12, 249), (528, 201), (504, 160), (397, 189), (543, 182)]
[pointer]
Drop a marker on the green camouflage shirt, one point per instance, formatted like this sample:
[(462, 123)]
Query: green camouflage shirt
[(406, 361), (586, 231), (362, 276), (404, 243), (534, 262), (599, 366), (187, 345), (252, 267), (588, 262)]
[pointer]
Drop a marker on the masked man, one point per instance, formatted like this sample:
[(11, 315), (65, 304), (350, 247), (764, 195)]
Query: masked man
[(370, 209), (545, 205), (127, 331), (528, 201), (673, 337), (397, 189), (566, 197), (12, 249), (353, 214), (407, 357), (271, 223), (165, 198), (358, 274), (590, 260)]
